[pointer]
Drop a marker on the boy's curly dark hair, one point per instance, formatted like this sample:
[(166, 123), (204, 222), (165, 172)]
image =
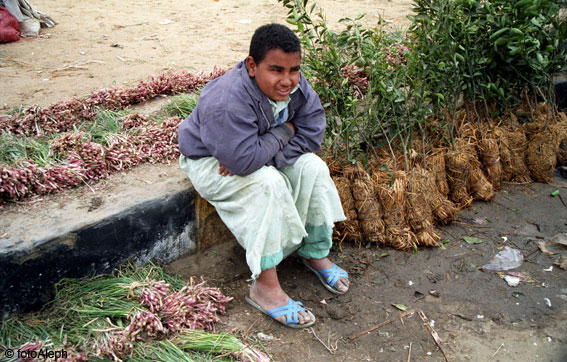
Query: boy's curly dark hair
[(272, 36)]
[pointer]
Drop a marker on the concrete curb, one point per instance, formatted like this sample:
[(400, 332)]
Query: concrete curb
[(157, 224)]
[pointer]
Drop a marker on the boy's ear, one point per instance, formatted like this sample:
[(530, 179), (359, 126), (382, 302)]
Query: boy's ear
[(251, 66)]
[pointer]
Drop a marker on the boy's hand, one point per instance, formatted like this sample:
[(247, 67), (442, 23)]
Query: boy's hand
[(223, 171), (290, 124)]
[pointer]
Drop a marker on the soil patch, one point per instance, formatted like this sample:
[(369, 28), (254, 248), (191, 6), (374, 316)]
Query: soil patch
[(476, 314)]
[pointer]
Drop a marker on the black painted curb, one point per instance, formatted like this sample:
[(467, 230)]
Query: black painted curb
[(160, 229)]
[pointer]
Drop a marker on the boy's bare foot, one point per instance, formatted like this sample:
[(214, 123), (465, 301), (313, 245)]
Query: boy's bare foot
[(267, 293), (342, 283)]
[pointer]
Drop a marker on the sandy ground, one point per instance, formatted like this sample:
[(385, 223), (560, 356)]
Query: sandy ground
[(477, 315), (108, 43)]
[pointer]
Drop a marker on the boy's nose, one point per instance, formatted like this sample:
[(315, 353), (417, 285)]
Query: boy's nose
[(286, 80)]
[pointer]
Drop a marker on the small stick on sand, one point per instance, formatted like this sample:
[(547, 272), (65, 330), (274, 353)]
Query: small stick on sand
[(433, 333), (382, 324), (495, 353), (332, 349)]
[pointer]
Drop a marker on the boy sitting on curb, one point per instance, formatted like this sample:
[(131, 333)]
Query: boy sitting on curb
[(248, 148)]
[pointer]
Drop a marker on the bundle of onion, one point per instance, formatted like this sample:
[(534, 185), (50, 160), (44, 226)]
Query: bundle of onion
[(41, 346), (186, 345), (64, 115), (88, 316), (133, 120)]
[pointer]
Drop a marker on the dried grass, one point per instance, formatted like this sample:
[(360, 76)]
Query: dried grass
[(442, 208), (350, 172), (518, 144), (419, 151), (542, 149), (419, 212), (562, 153), (349, 229), (428, 237), (561, 129), (369, 208), (541, 157), (335, 167), (393, 199), (468, 131), (489, 153), (436, 165), (478, 184), (457, 166), (505, 155)]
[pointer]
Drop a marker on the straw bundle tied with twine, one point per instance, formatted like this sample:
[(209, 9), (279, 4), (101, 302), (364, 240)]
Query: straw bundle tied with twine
[(436, 165), (349, 229), (397, 207), (420, 214), (442, 208), (541, 155), (457, 167), (544, 139), (562, 132), (518, 145), (479, 186), (505, 153), (489, 153), (370, 213), (394, 201)]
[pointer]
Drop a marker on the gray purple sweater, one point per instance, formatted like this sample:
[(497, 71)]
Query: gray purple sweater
[(233, 123)]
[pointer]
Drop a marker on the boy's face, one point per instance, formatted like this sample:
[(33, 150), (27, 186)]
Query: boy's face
[(277, 74)]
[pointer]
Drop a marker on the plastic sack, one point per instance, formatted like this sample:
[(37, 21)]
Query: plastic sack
[(508, 258), (9, 28)]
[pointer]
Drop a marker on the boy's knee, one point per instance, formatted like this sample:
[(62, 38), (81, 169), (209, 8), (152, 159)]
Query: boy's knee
[(315, 164), (269, 179)]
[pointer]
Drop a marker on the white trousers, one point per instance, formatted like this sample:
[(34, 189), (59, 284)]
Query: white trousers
[(272, 212)]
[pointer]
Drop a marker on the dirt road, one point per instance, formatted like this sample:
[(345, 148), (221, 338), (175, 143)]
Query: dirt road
[(102, 44), (476, 314)]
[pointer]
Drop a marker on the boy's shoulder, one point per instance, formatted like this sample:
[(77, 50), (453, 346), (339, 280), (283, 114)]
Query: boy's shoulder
[(234, 84)]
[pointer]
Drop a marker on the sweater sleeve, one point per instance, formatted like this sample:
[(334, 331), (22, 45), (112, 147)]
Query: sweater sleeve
[(231, 136)]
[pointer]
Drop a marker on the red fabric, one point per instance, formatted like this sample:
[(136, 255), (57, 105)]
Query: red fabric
[(9, 28)]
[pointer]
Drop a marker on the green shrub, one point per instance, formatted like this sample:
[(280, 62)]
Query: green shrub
[(493, 52), (380, 88), (364, 78)]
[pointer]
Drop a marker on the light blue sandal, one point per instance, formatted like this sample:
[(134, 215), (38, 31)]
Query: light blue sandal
[(329, 277), (290, 311)]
